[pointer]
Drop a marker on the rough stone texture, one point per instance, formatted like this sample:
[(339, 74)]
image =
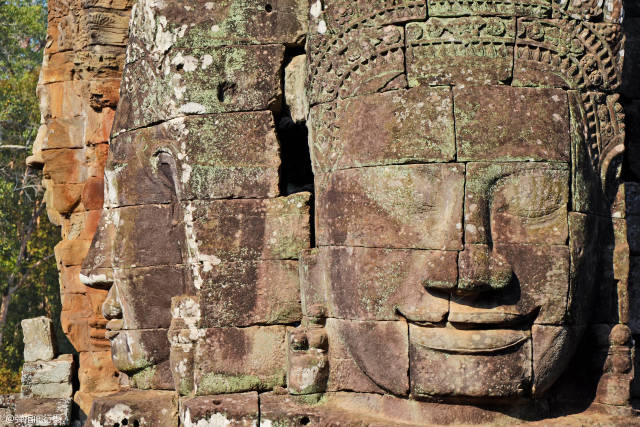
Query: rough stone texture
[(295, 93), (247, 78), (213, 156), (355, 363), (486, 129), (566, 53), (516, 203), (239, 410), (58, 370), (391, 206), (408, 126), (537, 8), (143, 408), (45, 412), (499, 357), (39, 341), (232, 360), (377, 284)]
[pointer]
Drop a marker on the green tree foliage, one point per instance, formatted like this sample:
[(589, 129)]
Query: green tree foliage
[(28, 275)]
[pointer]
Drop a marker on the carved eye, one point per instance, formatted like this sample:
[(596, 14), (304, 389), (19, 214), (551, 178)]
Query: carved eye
[(530, 194)]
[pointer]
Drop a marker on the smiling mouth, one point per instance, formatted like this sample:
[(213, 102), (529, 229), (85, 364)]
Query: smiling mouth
[(113, 328), (472, 341)]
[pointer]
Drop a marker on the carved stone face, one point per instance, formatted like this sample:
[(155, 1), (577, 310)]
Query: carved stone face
[(455, 219)]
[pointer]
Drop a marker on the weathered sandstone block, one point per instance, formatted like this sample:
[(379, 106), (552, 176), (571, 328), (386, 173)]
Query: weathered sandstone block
[(391, 207), (396, 127), (496, 123), (232, 360), (39, 341), (214, 156), (200, 81), (58, 370), (237, 410), (142, 408), (516, 203), (537, 8), (359, 363), (242, 294)]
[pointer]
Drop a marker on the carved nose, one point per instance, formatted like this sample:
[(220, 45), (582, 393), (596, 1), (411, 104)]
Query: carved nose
[(97, 267), (111, 308), (481, 268)]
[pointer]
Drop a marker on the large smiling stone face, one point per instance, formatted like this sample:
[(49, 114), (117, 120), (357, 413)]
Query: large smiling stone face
[(456, 217)]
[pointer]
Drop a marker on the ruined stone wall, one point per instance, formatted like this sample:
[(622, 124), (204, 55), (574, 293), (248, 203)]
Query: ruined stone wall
[(78, 91), (208, 246)]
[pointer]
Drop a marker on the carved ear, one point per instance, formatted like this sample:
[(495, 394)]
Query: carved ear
[(612, 138), (167, 170)]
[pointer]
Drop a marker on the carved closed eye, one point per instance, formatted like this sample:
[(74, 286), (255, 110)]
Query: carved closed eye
[(530, 194)]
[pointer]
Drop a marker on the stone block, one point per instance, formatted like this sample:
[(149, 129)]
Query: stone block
[(201, 81), (460, 51), (47, 411), (230, 22), (233, 360), (71, 252), (634, 294), (447, 362), (219, 156), (142, 408), (64, 198), (65, 166), (551, 345), (295, 92), (99, 123), (540, 287), (534, 8), (391, 207), (39, 339), (64, 133), (96, 372), (145, 294), (405, 126), (503, 123), (516, 203), (58, 370), (131, 237), (48, 391), (140, 351), (243, 293), (104, 26), (268, 229), (363, 59), (57, 67), (307, 359), (356, 361), (239, 410), (377, 284)]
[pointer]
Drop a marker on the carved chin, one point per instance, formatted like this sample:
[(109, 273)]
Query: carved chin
[(128, 353)]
